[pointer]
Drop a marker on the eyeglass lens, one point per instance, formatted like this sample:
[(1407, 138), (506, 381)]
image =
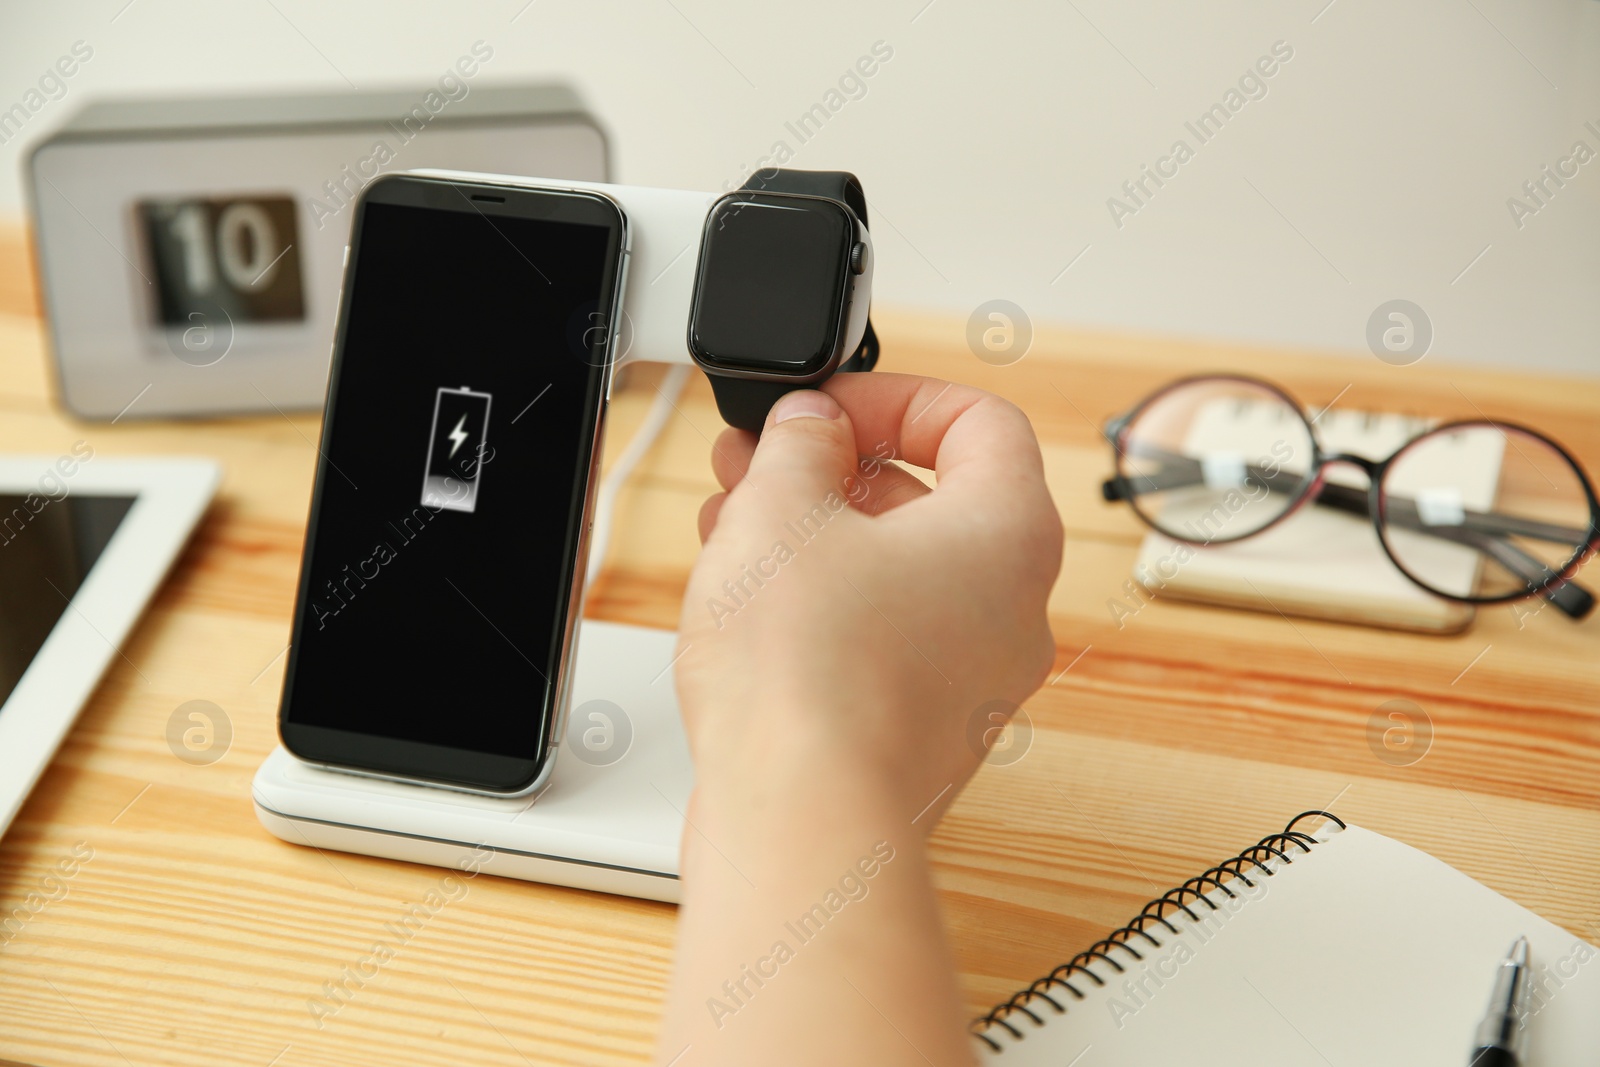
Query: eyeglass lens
[(1482, 511), (1216, 459)]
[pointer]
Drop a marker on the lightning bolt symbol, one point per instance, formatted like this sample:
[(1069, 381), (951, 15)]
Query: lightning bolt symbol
[(458, 435)]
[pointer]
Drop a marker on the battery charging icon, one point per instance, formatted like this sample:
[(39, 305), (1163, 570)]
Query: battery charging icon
[(456, 449)]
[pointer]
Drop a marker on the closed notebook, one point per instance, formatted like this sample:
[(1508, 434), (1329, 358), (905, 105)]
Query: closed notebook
[(1356, 951)]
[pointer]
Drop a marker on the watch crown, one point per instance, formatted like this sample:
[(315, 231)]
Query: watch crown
[(858, 258)]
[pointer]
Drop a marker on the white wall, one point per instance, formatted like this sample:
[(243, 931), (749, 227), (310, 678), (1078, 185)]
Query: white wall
[(1378, 164)]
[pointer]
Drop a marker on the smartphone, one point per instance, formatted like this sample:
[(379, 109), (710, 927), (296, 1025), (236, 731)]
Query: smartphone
[(433, 632)]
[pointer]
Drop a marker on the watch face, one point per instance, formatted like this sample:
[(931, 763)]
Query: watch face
[(770, 291)]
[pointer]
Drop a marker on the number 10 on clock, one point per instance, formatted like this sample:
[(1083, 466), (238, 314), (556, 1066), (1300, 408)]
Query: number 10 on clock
[(238, 256)]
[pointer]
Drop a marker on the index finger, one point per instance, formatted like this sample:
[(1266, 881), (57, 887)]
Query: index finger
[(982, 447)]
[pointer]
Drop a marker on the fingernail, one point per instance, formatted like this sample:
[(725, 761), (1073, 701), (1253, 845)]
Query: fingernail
[(805, 404)]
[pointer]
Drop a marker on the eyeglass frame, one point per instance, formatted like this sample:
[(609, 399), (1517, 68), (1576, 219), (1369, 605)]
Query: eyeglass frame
[(1560, 588)]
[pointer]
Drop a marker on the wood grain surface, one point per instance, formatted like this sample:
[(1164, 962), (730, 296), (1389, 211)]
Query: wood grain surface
[(191, 936)]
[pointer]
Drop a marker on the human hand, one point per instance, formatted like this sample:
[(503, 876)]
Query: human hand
[(843, 620)]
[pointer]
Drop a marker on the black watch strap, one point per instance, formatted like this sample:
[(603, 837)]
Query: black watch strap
[(833, 184), (743, 402)]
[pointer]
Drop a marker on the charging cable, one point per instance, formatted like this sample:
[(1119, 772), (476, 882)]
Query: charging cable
[(665, 405)]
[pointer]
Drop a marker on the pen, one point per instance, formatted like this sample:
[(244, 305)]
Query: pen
[(1501, 1034)]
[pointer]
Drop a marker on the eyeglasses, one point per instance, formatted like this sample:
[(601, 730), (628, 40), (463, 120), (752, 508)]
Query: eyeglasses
[(1474, 511)]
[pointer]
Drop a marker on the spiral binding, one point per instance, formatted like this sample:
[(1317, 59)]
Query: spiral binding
[(1153, 913)]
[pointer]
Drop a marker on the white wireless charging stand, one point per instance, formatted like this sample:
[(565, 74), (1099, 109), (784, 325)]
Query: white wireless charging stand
[(612, 816), (610, 819)]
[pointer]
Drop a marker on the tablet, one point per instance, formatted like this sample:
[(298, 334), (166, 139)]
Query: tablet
[(84, 543)]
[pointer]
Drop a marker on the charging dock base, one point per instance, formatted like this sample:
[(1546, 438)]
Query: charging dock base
[(610, 819)]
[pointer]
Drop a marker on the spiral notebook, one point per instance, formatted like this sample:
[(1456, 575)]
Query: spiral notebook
[(1339, 948)]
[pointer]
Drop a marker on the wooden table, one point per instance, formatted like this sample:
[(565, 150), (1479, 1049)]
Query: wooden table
[(194, 937)]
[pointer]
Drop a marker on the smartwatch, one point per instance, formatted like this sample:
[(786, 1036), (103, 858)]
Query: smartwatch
[(768, 290), (783, 290)]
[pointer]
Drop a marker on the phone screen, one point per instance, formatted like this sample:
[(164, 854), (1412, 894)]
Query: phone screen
[(451, 486)]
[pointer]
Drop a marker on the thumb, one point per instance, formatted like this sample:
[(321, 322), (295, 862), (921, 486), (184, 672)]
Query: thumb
[(806, 450)]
